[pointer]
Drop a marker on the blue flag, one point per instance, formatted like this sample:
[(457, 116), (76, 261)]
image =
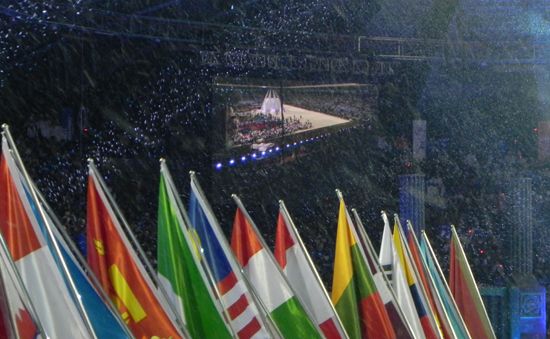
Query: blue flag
[(235, 297), (105, 324), (442, 288)]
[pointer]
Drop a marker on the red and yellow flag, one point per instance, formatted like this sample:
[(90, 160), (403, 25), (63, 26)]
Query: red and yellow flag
[(116, 266)]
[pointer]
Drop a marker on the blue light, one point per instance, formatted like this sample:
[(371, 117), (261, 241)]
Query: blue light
[(243, 158), (295, 144), (270, 150), (254, 155), (232, 162), (277, 148), (219, 165), (263, 152), (287, 145)]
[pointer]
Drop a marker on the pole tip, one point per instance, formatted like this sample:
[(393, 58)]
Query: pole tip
[(162, 160), (5, 126), (281, 201), (192, 173), (90, 161), (233, 195)]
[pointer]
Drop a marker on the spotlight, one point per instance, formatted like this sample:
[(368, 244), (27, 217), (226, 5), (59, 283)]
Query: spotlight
[(219, 165)]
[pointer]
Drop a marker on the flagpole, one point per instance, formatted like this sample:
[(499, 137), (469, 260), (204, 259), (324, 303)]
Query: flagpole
[(262, 309), (22, 288), (446, 285), (82, 262), (372, 252), (453, 230), (407, 255), (60, 259), (290, 222), (362, 251), (185, 229), (128, 232), (432, 288), (277, 267)]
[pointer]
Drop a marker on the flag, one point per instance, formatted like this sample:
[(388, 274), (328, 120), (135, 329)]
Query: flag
[(261, 269), (440, 283), (245, 316), (389, 260), (464, 290), (119, 271), (104, 322), (426, 280), (397, 318), (354, 293), (293, 259), (179, 270), (15, 317), (33, 259), (422, 308)]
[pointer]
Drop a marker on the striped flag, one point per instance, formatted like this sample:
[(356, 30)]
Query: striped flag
[(354, 293), (119, 270), (440, 283), (261, 269), (464, 289), (422, 308), (383, 285), (427, 281), (33, 259), (296, 264), (389, 260), (179, 267), (102, 318), (245, 317)]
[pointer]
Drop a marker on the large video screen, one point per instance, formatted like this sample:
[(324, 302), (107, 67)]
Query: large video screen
[(254, 114)]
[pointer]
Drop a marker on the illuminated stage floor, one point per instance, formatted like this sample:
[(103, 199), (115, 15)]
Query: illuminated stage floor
[(317, 119)]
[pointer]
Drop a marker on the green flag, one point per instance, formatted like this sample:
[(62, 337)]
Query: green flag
[(179, 269)]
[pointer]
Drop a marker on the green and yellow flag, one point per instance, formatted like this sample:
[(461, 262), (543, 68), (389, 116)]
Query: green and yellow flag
[(179, 270), (354, 293)]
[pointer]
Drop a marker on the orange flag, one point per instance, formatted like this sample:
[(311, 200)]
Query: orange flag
[(119, 271)]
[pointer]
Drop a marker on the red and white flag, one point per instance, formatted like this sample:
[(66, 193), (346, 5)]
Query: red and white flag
[(303, 277), (34, 261)]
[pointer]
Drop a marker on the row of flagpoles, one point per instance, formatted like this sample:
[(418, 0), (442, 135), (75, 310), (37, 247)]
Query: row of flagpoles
[(206, 286)]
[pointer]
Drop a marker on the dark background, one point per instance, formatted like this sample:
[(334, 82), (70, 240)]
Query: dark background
[(128, 83)]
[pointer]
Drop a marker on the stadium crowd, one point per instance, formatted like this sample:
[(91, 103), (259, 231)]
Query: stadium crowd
[(131, 102)]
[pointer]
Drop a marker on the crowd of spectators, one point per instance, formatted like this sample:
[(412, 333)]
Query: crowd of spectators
[(144, 101)]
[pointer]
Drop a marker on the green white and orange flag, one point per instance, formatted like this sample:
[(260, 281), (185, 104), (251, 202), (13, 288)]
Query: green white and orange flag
[(466, 295), (271, 287), (119, 270), (354, 292)]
